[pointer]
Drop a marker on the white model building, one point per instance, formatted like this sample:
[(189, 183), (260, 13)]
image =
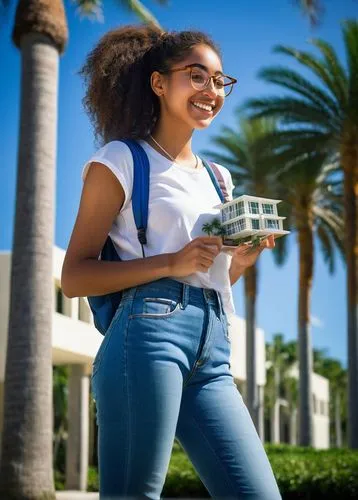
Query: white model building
[(251, 216)]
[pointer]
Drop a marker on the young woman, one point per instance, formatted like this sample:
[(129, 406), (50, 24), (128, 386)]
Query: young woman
[(162, 370)]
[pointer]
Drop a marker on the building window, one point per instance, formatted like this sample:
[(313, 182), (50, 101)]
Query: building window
[(236, 227), (241, 224), (254, 207), (59, 300), (240, 208), (272, 224), (315, 409), (267, 208), (228, 213), (255, 223)]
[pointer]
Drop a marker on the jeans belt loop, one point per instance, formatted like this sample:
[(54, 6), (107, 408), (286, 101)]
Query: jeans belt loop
[(220, 303), (185, 296)]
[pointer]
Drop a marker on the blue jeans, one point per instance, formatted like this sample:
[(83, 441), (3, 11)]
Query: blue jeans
[(162, 371)]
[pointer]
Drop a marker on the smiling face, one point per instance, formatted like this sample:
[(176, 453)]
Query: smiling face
[(180, 102)]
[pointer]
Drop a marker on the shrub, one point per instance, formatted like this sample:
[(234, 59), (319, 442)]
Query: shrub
[(301, 473)]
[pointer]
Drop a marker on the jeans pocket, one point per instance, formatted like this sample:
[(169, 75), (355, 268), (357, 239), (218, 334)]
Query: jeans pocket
[(154, 307)]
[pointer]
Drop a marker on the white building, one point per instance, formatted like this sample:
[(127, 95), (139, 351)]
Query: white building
[(320, 388), (251, 215), (75, 342)]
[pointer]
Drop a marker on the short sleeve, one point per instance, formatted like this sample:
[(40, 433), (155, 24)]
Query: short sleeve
[(116, 156), (228, 180)]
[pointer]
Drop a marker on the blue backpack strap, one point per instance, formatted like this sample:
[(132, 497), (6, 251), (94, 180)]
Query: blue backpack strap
[(140, 192), (215, 181), (105, 306)]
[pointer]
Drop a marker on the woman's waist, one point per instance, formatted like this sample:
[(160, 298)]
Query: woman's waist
[(178, 291)]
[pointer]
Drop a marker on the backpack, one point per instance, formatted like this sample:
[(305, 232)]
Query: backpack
[(103, 307)]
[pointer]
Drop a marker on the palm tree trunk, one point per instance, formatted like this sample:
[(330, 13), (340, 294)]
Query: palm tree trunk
[(305, 243), (251, 379), (26, 459), (349, 154), (337, 419)]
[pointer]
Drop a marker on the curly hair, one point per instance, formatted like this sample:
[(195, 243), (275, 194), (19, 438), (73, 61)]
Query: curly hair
[(119, 99)]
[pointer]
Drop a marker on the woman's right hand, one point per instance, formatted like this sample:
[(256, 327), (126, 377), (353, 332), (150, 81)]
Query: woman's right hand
[(196, 256)]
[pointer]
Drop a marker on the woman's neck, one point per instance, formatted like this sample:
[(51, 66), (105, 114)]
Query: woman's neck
[(177, 144)]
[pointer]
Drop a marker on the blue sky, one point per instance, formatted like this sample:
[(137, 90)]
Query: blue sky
[(246, 32)]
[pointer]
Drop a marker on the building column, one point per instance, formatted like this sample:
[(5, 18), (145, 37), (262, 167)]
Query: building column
[(275, 422), (75, 306), (261, 412), (293, 427), (78, 429)]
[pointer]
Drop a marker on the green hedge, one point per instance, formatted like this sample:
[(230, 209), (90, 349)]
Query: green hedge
[(301, 473)]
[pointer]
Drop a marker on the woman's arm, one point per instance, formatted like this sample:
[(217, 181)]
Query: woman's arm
[(235, 272), (84, 275)]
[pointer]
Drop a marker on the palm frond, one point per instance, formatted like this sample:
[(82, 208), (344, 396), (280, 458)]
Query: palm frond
[(292, 80), (314, 64), (313, 9), (226, 161), (330, 218), (140, 10), (336, 70), (93, 9), (90, 9), (290, 110), (330, 240), (326, 248), (287, 147)]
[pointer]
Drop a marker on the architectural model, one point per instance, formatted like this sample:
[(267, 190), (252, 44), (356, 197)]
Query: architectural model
[(247, 218)]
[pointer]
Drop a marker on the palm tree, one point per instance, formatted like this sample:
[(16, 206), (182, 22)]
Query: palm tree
[(313, 206), (314, 193), (208, 228), (325, 116), (40, 32), (251, 169)]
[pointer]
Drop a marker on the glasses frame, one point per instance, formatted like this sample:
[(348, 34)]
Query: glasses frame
[(212, 77)]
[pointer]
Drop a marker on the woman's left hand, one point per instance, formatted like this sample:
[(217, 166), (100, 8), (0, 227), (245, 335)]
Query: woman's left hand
[(246, 255)]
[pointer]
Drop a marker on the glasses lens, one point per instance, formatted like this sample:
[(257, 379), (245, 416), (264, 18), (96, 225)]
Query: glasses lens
[(228, 86), (224, 85), (199, 78)]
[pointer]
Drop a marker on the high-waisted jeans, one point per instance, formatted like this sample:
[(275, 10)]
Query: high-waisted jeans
[(162, 371)]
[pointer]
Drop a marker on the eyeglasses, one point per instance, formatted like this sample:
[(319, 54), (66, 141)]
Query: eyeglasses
[(200, 79)]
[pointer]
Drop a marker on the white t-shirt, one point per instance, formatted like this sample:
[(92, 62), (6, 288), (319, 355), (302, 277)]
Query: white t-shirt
[(181, 200)]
